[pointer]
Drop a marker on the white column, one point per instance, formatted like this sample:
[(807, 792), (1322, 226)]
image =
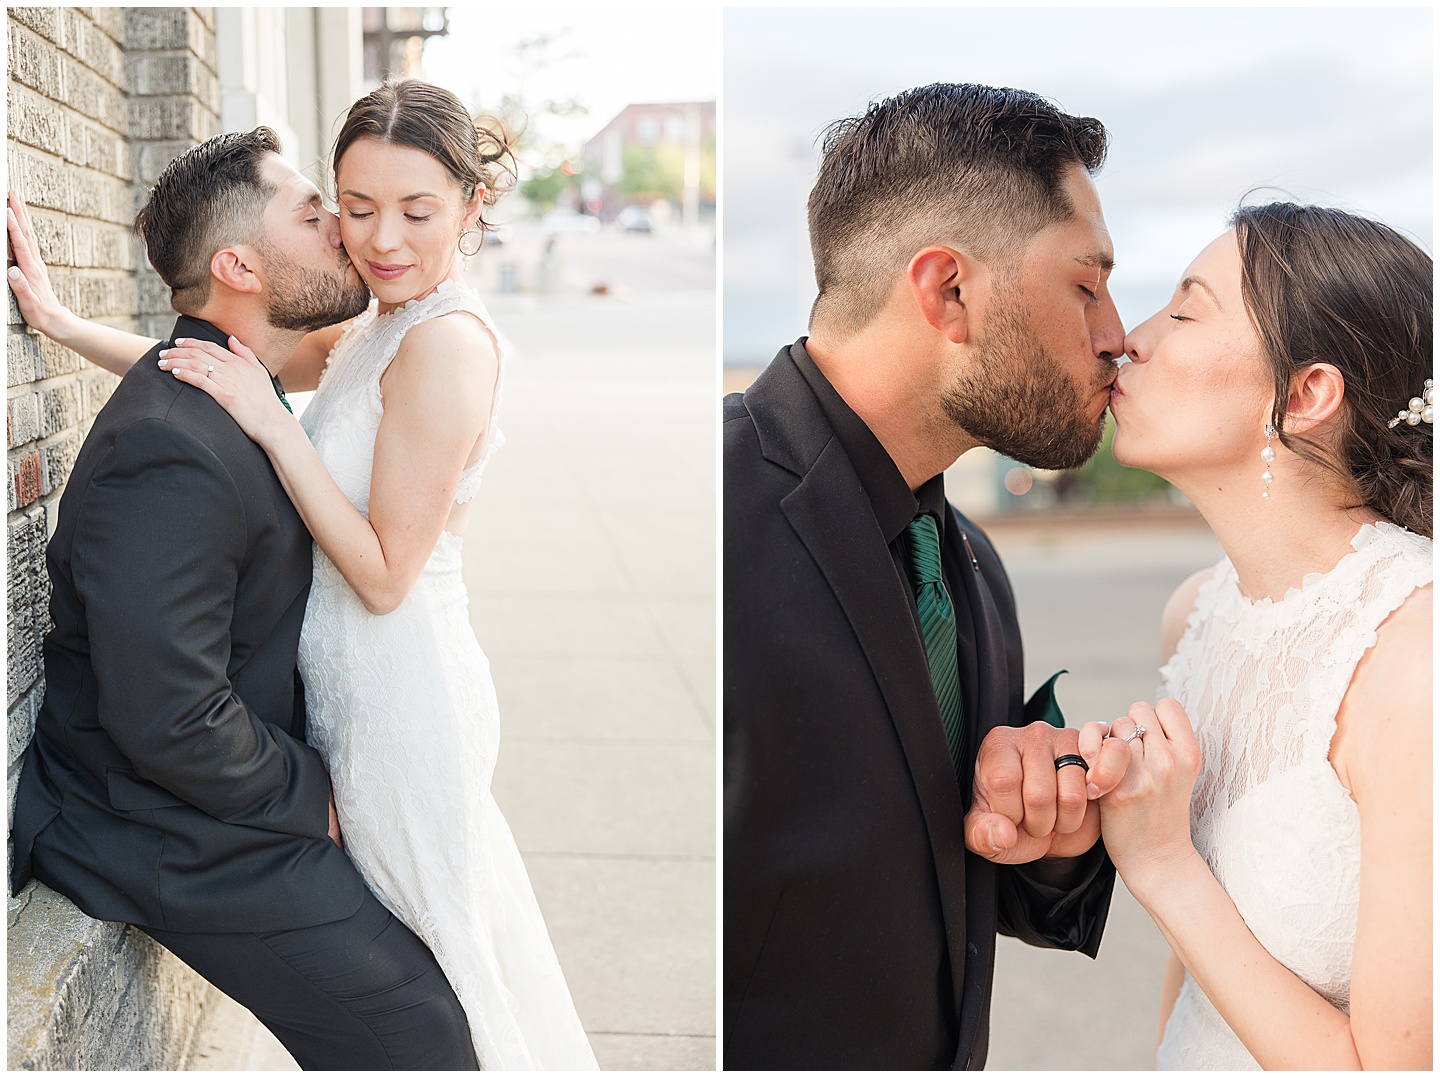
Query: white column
[(253, 87)]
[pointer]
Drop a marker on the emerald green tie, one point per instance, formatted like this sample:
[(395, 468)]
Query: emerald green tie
[(280, 392), (937, 626)]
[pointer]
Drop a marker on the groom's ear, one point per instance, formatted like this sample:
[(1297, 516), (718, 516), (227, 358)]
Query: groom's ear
[(1315, 396), (234, 267), (943, 282)]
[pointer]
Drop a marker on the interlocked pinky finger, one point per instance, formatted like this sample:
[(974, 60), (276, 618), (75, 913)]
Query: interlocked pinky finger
[(1092, 734)]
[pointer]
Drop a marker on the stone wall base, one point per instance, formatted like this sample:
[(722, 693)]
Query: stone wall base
[(95, 995)]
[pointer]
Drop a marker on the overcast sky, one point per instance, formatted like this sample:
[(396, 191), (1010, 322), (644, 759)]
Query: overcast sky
[(1333, 105), (610, 56)]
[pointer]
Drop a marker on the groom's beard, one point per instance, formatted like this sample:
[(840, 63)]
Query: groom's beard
[(1018, 401), (307, 300)]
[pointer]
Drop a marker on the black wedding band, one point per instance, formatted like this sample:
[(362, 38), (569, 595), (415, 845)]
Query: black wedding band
[(1070, 758)]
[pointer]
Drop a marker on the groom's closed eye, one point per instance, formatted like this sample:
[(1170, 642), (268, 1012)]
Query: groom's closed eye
[(310, 205)]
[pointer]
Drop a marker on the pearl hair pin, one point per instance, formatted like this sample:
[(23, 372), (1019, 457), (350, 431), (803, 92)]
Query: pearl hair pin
[(1268, 456), (1420, 410)]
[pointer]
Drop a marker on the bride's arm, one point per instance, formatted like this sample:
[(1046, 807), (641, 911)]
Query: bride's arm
[(114, 349), (303, 369), (1281, 1020), (1172, 627), (437, 395), (1177, 611), (1389, 707)]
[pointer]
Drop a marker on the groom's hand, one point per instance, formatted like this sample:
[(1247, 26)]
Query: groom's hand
[(1023, 808)]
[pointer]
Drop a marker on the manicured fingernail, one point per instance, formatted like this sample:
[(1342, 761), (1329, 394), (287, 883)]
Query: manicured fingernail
[(179, 340), (163, 364), (14, 273), (1092, 791), (164, 352)]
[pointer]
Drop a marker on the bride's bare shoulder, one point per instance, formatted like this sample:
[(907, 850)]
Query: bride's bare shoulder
[(1397, 670), (1177, 611), (455, 333), (1390, 700)]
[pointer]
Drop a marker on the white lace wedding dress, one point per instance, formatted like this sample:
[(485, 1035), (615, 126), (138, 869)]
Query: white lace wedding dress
[(403, 711), (1262, 682)]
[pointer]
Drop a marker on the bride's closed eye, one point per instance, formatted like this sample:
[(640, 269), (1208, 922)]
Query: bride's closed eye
[(363, 216), (1181, 318)]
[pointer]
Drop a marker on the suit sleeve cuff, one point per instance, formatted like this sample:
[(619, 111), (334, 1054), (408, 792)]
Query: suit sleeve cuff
[(1062, 876), (1061, 904)]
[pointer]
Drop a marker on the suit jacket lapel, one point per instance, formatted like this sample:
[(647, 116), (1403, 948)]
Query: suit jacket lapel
[(832, 516)]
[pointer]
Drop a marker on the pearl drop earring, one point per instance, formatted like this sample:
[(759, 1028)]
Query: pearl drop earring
[(1268, 456)]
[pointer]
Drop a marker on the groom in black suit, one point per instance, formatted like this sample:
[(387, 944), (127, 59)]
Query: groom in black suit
[(168, 783), (874, 724)]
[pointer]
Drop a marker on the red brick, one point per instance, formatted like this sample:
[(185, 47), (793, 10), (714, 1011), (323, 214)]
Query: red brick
[(29, 479)]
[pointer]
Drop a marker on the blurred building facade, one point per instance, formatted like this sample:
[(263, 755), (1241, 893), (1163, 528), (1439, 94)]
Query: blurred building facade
[(394, 40), (99, 101), (650, 152)]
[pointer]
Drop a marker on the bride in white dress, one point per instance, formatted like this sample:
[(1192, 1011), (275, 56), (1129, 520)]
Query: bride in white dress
[(398, 693), (1295, 887)]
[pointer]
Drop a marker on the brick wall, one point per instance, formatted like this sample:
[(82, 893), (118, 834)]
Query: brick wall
[(100, 99)]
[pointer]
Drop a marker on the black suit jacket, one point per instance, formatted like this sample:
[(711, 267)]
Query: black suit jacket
[(168, 783), (859, 932)]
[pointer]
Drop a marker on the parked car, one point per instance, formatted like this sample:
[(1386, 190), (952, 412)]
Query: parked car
[(635, 219), (565, 221)]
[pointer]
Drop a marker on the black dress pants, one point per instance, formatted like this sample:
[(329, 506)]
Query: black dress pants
[(359, 994)]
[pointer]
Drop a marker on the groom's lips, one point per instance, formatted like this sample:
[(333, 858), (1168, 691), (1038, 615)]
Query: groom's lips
[(386, 273)]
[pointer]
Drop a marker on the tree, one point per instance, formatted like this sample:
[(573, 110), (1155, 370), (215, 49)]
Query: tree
[(544, 188), (652, 172)]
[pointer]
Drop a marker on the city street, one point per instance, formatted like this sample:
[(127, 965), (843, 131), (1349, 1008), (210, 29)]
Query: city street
[(1090, 598), (623, 264)]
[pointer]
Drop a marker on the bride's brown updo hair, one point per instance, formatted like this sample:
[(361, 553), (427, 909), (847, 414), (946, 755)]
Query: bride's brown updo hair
[(1325, 286), (408, 112)]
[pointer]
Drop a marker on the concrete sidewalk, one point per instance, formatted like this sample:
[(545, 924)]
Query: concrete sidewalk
[(591, 568)]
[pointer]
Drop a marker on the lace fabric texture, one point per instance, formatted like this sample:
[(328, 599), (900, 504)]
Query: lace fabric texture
[(403, 710), (1263, 682)]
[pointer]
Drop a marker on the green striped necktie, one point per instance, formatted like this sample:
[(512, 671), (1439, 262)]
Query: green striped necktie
[(937, 626), (280, 392)]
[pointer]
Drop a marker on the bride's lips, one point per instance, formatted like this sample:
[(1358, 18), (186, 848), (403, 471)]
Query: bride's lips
[(386, 273)]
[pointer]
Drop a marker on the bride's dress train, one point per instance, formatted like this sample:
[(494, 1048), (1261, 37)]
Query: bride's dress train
[(1263, 683), (403, 710)]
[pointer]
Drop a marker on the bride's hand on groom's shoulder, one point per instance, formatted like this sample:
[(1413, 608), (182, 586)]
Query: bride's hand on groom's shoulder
[(237, 380), (1146, 818), (1024, 808)]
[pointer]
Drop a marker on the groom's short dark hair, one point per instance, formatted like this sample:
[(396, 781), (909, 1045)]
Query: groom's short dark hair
[(976, 167), (209, 197)]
